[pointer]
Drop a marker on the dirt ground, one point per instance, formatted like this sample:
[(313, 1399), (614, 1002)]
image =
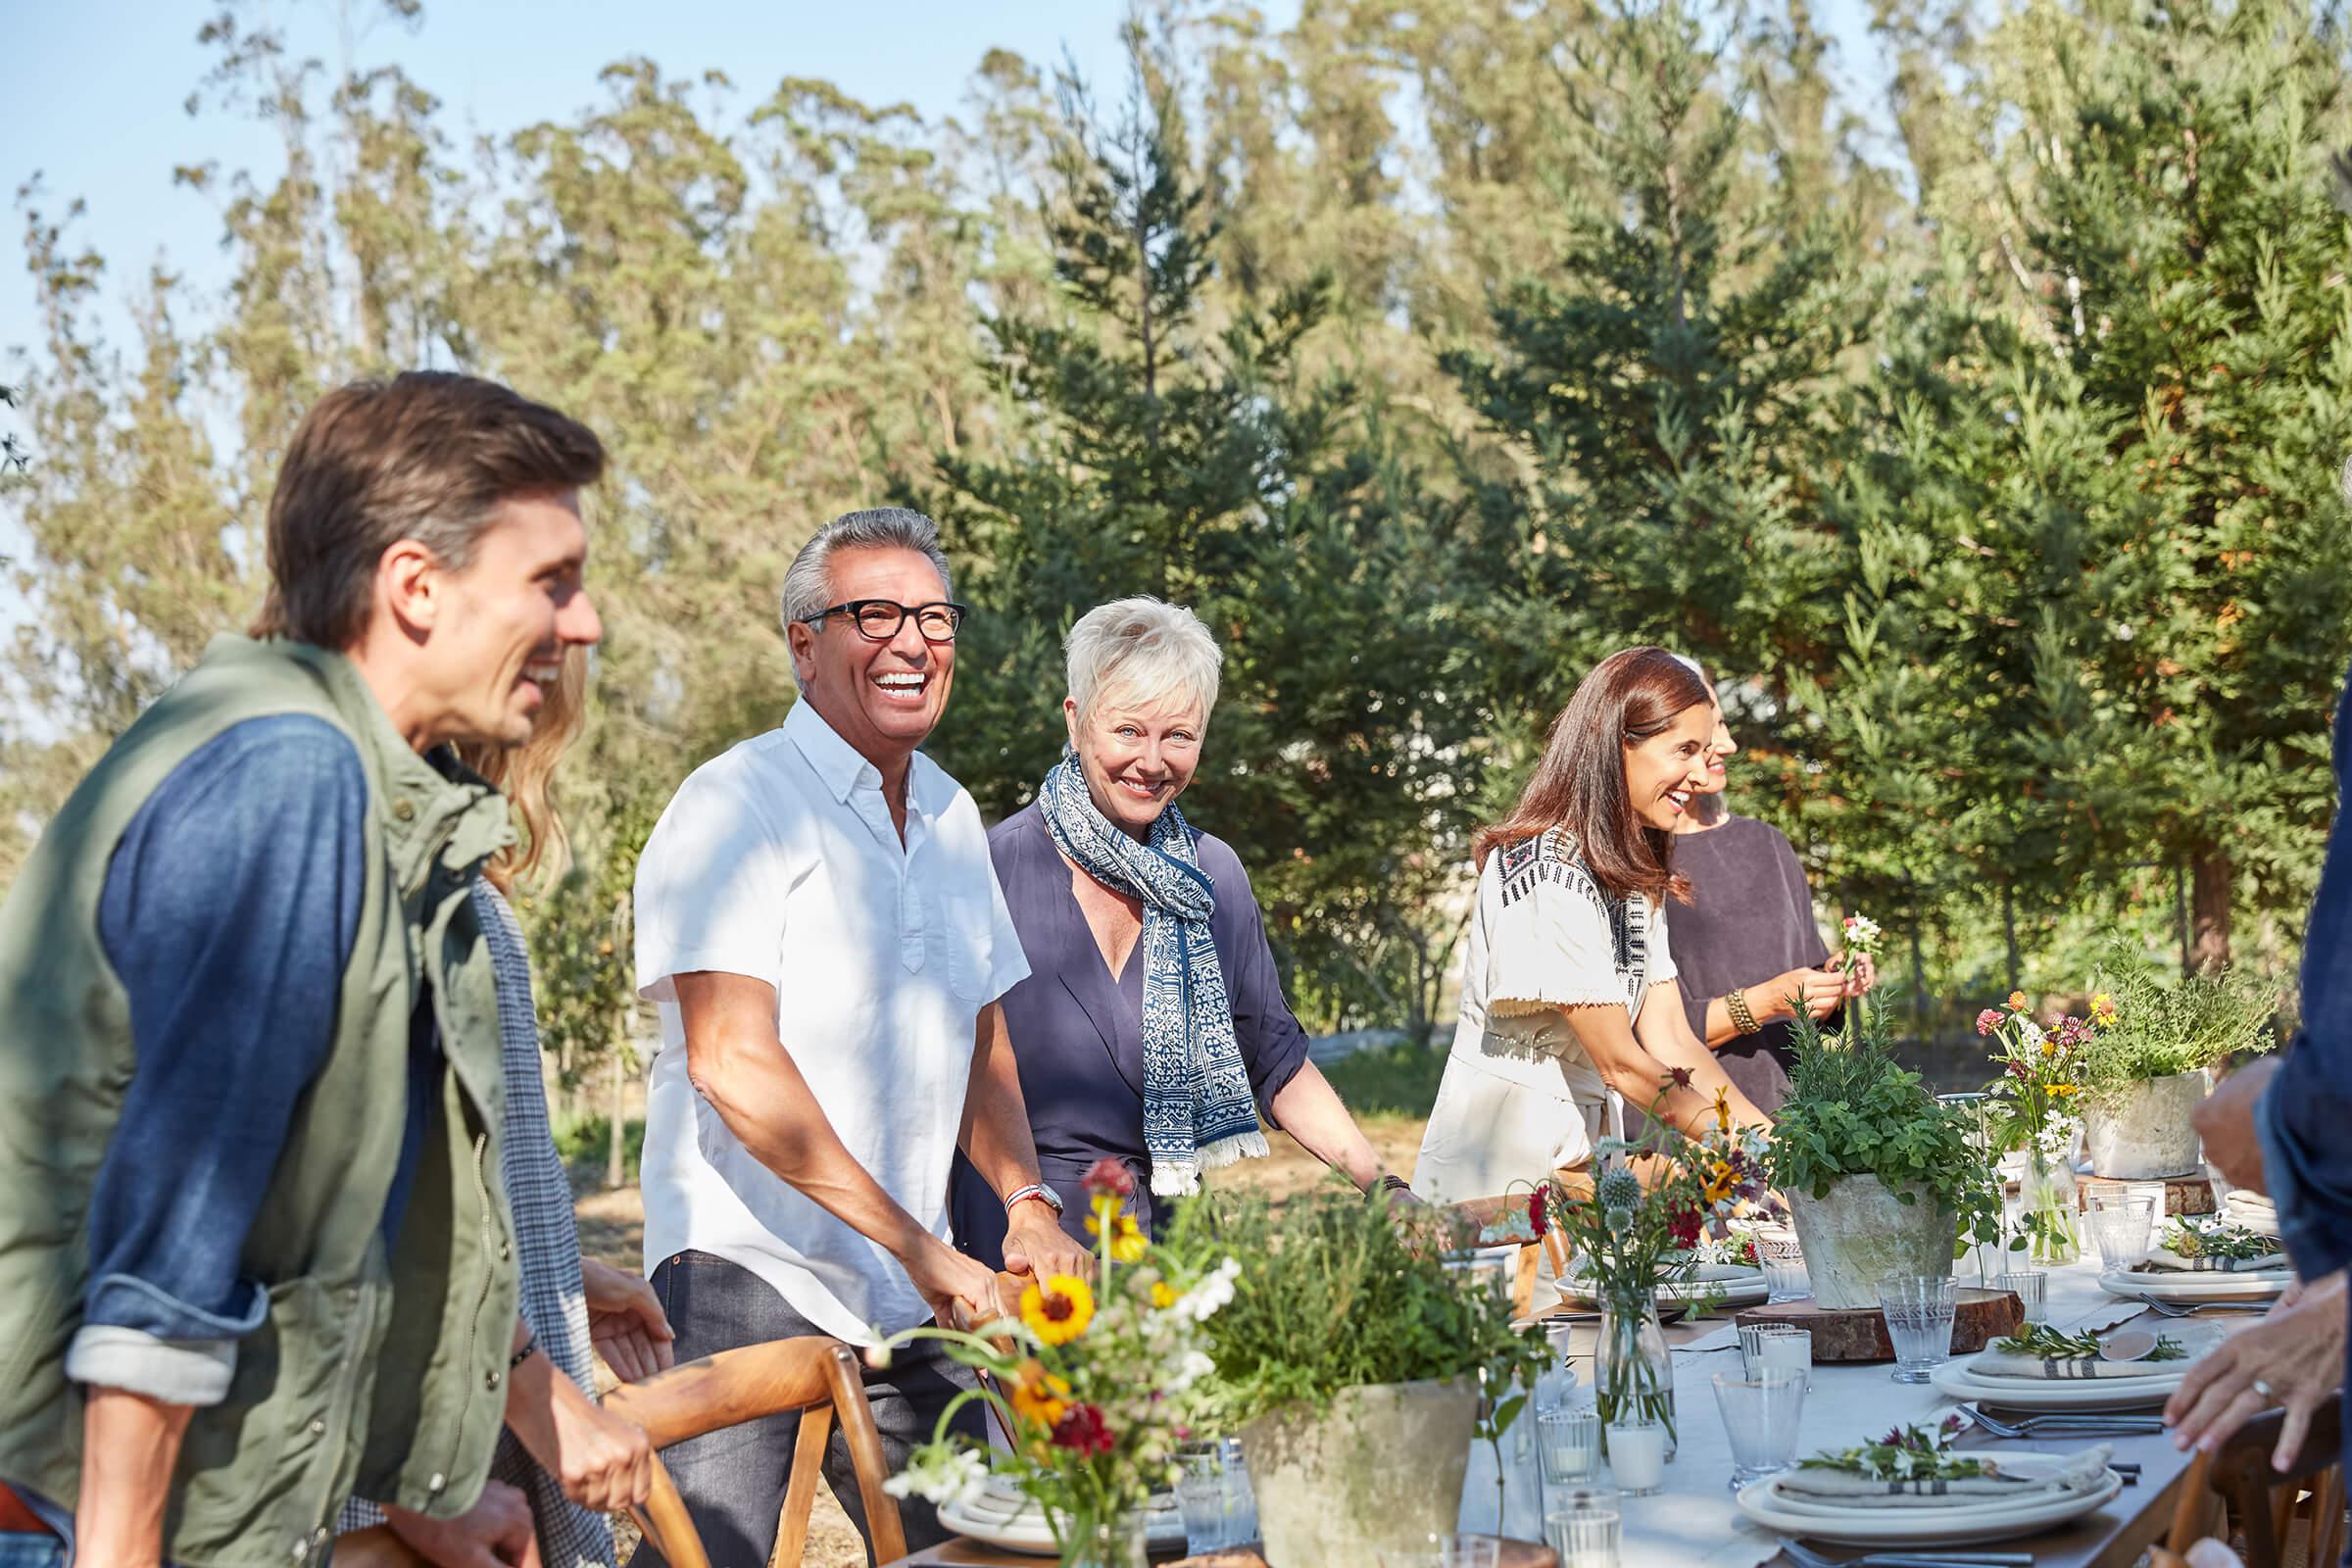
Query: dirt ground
[(613, 1228)]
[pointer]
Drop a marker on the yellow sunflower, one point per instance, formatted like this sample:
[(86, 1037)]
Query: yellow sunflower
[(1038, 1395), (1127, 1241), (1721, 1183), (2063, 1090), (1059, 1310), (2102, 1009), (1164, 1295)]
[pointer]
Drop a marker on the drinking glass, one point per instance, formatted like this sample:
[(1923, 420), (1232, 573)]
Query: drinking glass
[(2118, 1226), (1918, 1310), (1760, 1415), (1200, 1497), (2031, 1287), (1776, 1346), (1580, 1525), (1556, 1386), (1783, 1261), (1445, 1552), (1567, 1446), (1241, 1498)]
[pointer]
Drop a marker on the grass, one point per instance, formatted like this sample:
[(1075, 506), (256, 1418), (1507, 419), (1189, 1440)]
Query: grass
[(1399, 1080)]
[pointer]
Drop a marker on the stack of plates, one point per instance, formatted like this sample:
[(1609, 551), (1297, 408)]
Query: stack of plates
[(1008, 1517), (1958, 1379), (1962, 1523), (2260, 1284)]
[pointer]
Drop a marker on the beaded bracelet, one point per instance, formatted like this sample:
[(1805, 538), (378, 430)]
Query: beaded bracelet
[(1742, 1020)]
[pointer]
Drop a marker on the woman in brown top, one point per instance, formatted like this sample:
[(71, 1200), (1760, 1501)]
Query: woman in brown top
[(1745, 949)]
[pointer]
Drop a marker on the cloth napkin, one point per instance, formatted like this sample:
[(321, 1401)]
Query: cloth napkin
[(2252, 1210), (2022, 1477), (2163, 1260), (1993, 1363)]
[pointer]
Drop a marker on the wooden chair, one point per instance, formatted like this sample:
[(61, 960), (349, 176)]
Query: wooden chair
[(1474, 1215), (2256, 1502), (814, 1375)]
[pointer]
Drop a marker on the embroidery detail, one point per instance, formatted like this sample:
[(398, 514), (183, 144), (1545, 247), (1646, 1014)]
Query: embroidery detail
[(1555, 858)]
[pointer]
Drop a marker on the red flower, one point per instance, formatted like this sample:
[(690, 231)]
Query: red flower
[(1538, 1209), (1987, 1021), (1681, 1077), (1107, 1177), (1083, 1431), (1686, 1226)]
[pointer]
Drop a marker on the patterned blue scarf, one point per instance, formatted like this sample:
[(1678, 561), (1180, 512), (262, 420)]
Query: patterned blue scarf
[(1198, 1109)]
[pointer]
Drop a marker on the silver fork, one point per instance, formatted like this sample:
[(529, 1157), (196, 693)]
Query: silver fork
[(2191, 1310), (1804, 1557), (2079, 1424)]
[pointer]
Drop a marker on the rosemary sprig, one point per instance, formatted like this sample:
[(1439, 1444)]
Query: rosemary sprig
[(2040, 1339), (1906, 1454), (2234, 1241)]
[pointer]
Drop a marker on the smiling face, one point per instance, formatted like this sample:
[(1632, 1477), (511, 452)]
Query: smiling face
[(882, 697), (1719, 745), (1136, 758), (1663, 772), (500, 626)]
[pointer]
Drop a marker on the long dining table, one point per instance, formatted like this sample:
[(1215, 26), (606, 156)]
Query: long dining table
[(1694, 1522)]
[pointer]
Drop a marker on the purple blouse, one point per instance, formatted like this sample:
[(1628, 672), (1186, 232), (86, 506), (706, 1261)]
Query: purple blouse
[(1077, 1032)]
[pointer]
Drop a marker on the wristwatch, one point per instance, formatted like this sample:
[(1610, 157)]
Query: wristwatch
[(1037, 1190)]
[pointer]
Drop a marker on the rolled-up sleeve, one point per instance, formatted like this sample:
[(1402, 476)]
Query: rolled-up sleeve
[(228, 914)]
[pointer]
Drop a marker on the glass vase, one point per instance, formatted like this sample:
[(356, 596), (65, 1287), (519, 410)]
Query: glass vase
[(1633, 1373), (1095, 1541), (2049, 1209)]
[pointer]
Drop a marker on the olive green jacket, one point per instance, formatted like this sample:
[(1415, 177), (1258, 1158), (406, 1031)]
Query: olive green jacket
[(375, 1374)]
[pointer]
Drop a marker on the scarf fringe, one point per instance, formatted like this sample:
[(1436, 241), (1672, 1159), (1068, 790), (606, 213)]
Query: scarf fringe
[(1181, 1178)]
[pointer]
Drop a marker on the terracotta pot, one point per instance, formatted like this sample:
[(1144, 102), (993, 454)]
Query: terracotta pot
[(1379, 1468)]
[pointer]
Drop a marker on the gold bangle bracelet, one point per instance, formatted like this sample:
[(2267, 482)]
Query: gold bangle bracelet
[(1742, 1020)]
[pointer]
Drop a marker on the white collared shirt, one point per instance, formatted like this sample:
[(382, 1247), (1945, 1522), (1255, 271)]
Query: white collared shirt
[(778, 861)]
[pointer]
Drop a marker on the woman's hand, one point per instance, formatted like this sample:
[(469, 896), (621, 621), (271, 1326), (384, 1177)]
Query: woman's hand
[(2297, 1353), (497, 1531), (1036, 1244), (625, 1322), (1819, 992), (1861, 972)]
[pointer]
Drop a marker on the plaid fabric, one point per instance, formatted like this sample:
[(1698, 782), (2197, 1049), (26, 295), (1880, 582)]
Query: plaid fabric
[(548, 1239)]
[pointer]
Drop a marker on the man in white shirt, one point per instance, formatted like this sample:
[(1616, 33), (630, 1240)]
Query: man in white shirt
[(819, 923)]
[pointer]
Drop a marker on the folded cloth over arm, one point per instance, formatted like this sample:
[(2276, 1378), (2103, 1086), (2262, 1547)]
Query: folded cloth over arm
[(2011, 1478)]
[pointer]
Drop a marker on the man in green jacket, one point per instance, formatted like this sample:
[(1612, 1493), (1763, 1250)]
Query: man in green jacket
[(254, 1252)]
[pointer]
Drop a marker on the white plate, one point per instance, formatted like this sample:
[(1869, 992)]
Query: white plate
[(1961, 1526), (2024, 1394), (1028, 1533), (1742, 1289), (2196, 1287)]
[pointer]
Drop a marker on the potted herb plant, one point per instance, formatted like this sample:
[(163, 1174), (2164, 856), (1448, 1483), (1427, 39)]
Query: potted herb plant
[(1880, 1178), (2144, 1073), (1351, 1361)]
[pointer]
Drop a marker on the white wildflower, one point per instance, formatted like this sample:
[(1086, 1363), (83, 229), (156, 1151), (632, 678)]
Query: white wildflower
[(940, 1476), (1189, 1369), (1202, 1302)]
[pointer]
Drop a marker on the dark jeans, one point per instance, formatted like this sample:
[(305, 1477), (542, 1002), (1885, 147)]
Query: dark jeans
[(733, 1480)]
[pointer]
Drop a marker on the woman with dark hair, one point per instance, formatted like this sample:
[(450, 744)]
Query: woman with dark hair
[(1558, 1031), (1747, 953)]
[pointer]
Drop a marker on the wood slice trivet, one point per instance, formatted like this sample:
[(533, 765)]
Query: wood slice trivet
[(1860, 1335), (2183, 1194)]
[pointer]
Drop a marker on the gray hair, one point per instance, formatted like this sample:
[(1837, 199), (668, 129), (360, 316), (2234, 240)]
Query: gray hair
[(1143, 649), (808, 580)]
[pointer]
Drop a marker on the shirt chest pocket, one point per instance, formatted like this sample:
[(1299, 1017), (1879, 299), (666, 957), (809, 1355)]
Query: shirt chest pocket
[(970, 938)]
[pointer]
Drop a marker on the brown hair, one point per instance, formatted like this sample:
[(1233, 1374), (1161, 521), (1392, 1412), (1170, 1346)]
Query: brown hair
[(526, 775), (1580, 782), (427, 456)]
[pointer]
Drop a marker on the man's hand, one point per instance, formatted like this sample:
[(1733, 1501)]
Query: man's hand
[(2297, 1353), (602, 1461), (962, 1292), (2226, 1122), (1036, 1244), (625, 1322), (495, 1533)]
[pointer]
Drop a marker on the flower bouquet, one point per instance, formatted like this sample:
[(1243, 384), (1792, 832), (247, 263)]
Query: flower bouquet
[(1097, 1385), (2038, 1110), (1626, 1240)]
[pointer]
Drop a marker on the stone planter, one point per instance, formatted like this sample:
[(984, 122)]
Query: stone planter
[(2142, 1131), (1861, 1233), (1379, 1468)]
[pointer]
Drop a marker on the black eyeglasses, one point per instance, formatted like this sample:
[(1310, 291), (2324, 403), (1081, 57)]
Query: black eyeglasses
[(878, 619)]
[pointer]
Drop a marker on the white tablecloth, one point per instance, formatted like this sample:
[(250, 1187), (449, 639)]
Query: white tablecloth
[(1695, 1521)]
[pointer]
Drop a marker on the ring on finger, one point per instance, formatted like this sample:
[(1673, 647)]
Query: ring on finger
[(2270, 1396)]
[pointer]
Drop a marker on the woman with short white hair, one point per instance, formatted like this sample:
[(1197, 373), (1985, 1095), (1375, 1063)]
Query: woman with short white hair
[(1151, 1029)]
